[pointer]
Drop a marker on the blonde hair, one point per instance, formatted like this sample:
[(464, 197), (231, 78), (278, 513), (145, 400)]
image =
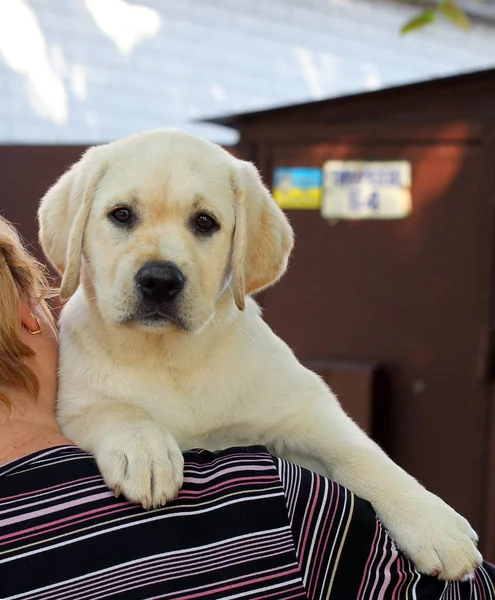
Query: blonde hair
[(21, 275)]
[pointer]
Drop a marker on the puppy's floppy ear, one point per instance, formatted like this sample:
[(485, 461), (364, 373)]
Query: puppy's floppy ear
[(263, 237), (62, 215)]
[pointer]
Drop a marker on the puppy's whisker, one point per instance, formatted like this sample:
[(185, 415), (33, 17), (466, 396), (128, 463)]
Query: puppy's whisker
[(219, 312), (205, 324), (239, 327), (216, 323), (92, 297)]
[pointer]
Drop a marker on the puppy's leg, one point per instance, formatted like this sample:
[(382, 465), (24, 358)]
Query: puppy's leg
[(437, 539), (134, 454)]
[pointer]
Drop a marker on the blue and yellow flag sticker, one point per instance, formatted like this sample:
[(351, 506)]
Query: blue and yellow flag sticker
[(298, 187)]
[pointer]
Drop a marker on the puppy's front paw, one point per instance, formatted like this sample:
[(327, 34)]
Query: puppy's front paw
[(143, 462), (438, 540)]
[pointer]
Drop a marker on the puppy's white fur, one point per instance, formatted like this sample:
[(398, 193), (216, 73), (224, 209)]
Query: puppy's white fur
[(136, 392)]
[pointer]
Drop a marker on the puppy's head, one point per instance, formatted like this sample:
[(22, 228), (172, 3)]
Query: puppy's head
[(160, 226)]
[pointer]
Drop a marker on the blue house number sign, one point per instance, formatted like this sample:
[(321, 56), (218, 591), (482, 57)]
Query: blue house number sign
[(366, 190)]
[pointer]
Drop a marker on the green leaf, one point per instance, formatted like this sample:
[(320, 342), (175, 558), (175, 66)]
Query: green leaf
[(451, 11), (425, 18)]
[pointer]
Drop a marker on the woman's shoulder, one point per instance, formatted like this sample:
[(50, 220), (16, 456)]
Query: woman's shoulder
[(70, 459), (227, 529), (234, 471), (44, 457), (240, 500)]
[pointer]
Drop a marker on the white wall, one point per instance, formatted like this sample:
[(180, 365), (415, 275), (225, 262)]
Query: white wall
[(93, 70)]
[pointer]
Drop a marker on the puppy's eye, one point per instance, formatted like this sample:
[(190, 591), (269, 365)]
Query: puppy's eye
[(204, 223), (121, 215)]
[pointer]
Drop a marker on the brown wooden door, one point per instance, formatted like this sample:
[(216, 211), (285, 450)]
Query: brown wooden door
[(26, 174), (410, 294)]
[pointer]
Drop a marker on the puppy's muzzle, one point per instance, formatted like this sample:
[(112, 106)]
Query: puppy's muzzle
[(160, 282)]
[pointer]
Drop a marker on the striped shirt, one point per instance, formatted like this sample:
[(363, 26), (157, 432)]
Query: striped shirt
[(246, 525)]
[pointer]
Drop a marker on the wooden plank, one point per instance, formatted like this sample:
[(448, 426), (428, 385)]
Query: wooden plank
[(371, 133)]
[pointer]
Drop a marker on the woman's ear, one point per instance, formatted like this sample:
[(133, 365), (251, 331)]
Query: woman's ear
[(28, 319), (263, 238)]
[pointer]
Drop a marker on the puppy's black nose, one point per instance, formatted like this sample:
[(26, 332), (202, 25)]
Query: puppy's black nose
[(160, 281)]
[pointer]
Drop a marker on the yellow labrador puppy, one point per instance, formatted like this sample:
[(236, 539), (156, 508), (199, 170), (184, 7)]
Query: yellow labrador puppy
[(161, 238)]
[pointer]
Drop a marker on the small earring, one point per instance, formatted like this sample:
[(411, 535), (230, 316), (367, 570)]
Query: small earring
[(40, 327)]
